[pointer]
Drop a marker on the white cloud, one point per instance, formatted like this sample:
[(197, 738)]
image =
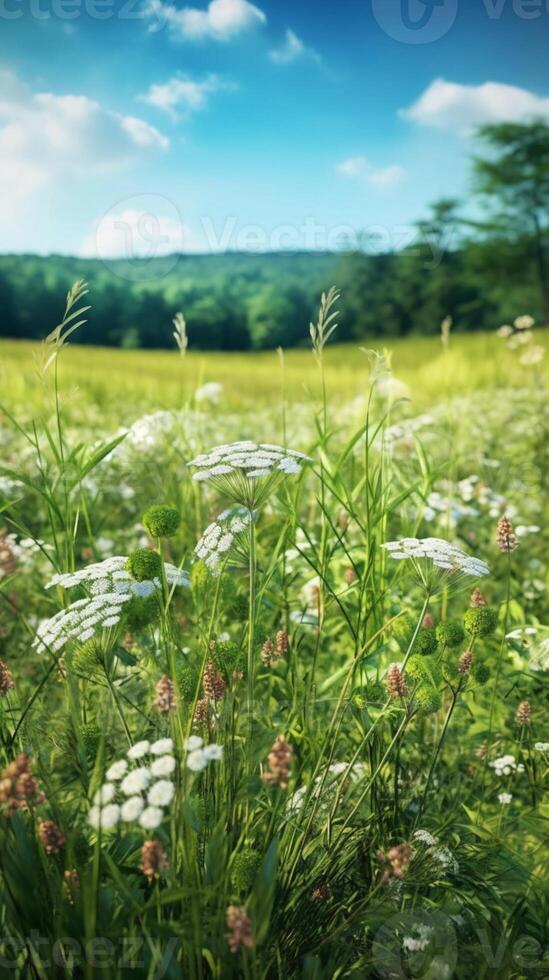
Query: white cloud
[(183, 95), (131, 233), (448, 105), (381, 177), (292, 49), (45, 136), (222, 20)]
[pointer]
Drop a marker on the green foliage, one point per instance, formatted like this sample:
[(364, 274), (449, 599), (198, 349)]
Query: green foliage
[(450, 633), (426, 642), (244, 869), (141, 612), (428, 698), (161, 521), (144, 564), (481, 621)]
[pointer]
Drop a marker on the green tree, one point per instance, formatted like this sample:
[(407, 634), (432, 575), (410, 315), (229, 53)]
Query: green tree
[(515, 176)]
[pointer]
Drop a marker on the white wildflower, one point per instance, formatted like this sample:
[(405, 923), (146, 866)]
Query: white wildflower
[(105, 794), (163, 766), (505, 798), (105, 818), (136, 781), (196, 760), (151, 817), (131, 808), (117, 770), (193, 742), (162, 746), (213, 752), (138, 750), (161, 793)]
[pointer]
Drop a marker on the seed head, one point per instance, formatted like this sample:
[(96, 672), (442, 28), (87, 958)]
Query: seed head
[(427, 622), (239, 925), (71, 880), (465, 662), (51, 837), (161, 521), (350, 576), (478, 599), (524, 713), (202, 712), (6, 680), (213, 683), (165, 696), (282, 643), (8, 559), (18, 787), (279, 760), (505, 537), (153, 860), (267, 653), (395, 862), (394, 682), (321, 892)]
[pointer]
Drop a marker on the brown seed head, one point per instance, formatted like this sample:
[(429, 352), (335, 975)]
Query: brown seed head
[(6, 680), (394, 682), (165, 696), (213, 683), (239, 925), (524, 713), (279, 760), (282, 643), (477, 598), (465, 662), (51, 837), (267, 653), (505, 537), (427, 622), (153, 859), (18, 787)]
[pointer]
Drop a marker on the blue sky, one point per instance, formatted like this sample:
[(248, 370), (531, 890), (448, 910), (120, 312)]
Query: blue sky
[(168, 125)]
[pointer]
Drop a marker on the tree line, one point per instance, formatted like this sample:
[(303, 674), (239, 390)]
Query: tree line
[(480, 273)]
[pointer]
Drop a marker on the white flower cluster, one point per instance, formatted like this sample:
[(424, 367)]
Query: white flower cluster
[(111, 575), (210, 392), (199, 755), (505, 798), (140, 793), (424, 837), (441, 553), (541, 746), (247, 458), (80, 621), (110, 586), (222, 537), (506, 765), (419, 942), (442, 855)]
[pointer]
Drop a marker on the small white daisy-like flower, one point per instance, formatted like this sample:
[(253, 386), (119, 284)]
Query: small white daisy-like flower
[(161, 793), (151, 817), (136, 781), (161, 746), (163, 766), (131, 808), (117, 770), (541, 746), (105, 794), (138, 750), (505, 798), (196, 760), (105, 817), (193, 742), (213, 752)]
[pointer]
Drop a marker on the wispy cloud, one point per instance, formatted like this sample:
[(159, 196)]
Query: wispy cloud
[(292, 49), (45, 136), (382, 177), (449, 105), (182, 95), (221, 20)]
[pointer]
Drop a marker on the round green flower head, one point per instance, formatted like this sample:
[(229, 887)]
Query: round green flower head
[(90, 735), (428, 698), (161, 520), (480, 621), (187, 682), (450, 633), (144, 564), (403, 630), (426, 642), (424, 669), (481, 673), (245, 868)]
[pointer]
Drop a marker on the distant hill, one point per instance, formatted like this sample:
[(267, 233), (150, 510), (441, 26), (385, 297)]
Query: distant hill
[(237, 300)]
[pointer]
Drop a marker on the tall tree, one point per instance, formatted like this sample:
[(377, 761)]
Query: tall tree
[(515, 175)]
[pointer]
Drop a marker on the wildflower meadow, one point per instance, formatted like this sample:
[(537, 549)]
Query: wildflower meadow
[(273, 658)]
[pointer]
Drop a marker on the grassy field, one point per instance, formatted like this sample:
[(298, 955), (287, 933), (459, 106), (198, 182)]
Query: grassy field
[(274, 712), (147, 380)]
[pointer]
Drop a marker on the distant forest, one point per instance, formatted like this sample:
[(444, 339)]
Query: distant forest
[(238, 301), (481, 273)]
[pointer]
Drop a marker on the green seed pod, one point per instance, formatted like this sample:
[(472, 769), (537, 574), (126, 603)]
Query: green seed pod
[(90, 735), (88, 659), (244, 870), (426, 642), (228, 658), (424, 669), (428, 698), (187, 682), (450, 633), (481, 673), (144, 564), (161, 521), (480, 621)]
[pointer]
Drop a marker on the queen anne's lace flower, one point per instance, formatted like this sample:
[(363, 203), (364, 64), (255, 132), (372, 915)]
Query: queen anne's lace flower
[(224, 541), (506, 765), (136, 794), (435, 560), (110, 586), (247, 471)]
